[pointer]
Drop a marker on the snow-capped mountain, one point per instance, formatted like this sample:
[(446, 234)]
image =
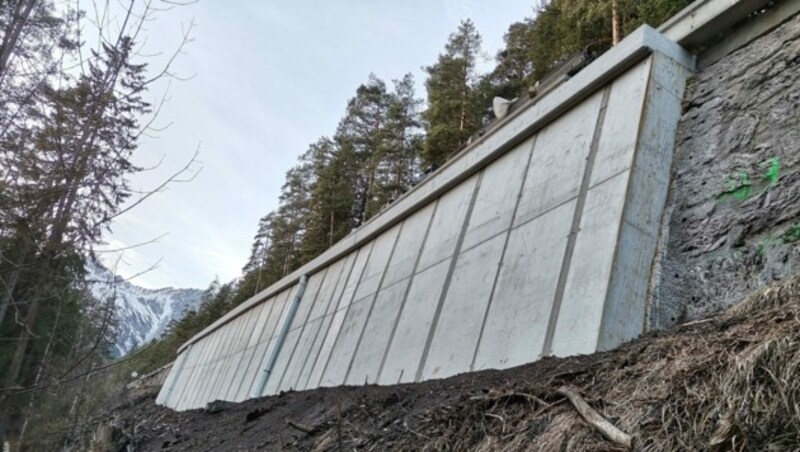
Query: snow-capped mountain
[(142, 314)]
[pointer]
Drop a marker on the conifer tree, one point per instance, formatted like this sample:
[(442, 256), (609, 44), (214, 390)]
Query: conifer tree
[(453, 112)]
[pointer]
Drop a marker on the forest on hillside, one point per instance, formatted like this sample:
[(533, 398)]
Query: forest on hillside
[(76, 98)]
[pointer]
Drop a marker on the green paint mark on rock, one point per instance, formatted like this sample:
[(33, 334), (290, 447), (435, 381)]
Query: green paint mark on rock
[(773, 168), (738, 188), (792, 234)]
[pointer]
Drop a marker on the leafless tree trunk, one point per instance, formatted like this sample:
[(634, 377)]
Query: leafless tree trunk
[(615, 22)]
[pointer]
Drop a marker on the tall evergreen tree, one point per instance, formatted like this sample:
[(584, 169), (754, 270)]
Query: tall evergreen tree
[(454, 111), (399, 156), (332, 197), (360, 136)]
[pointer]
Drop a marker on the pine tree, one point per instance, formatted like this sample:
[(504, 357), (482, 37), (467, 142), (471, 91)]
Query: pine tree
[(399, 166), (454, 111), (360, 137), (332, 197)]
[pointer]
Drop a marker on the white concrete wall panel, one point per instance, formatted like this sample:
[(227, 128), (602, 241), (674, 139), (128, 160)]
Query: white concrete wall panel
[(463, 310), (408, 246), (517, 319), (242, 358), (579, 319), (252, 371), (261, 313), (226, 376), (190, 371), (321, 324), (405, 352), (181, 380), (229, 391), (498, 195), (241, 374), (338, 317), (375, 268), (447, 223), (282, 361), (559, 160), (369, 354), (344, 347), (624, 313), (209, 369), (621, 123), (300, 356), (348, 294), (289, 358), (310, 374)]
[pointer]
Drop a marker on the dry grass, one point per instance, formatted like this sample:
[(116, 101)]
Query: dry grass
[(728, 383)]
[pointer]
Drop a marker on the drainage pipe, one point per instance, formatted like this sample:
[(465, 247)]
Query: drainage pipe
[(280, 339)]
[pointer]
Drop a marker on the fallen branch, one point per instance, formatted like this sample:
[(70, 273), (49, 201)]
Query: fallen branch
[(606, 428), (299, 426)]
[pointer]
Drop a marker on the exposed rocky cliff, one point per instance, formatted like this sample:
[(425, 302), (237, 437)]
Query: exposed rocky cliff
[(734, 207)]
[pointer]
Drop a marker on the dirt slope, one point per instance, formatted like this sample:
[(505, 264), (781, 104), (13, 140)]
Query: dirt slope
[(725, 383)]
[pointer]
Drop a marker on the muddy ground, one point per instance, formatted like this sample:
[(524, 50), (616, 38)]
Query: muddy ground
[(728, 382)]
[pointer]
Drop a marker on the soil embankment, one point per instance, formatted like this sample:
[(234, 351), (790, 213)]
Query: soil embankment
[(729, 382)]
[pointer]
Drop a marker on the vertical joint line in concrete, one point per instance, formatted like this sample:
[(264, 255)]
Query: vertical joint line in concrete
[(566, 262), (303, 328), (280, 338), (183, 395), (643, 116), (243, 380), (210, 366), (272, 337), (443, 295), (406, 292), (319, 330), (372, 304), (178, 370), (259, 359), (355, 289), (502, 255), (234, 383), (335, 308)]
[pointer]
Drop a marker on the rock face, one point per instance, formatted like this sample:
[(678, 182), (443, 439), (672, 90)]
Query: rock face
[(142, 314), (733, 216)]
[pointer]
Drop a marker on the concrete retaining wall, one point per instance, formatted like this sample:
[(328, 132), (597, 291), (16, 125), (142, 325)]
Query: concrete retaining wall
[(537, 240)]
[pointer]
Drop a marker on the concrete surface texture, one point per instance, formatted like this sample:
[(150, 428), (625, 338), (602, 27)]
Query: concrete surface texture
[(538, 242)]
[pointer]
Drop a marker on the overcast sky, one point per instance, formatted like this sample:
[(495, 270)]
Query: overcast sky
[(270, 77)]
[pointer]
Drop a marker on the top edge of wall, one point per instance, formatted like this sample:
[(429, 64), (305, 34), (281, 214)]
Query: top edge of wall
[(697, 23), (704, 20)]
